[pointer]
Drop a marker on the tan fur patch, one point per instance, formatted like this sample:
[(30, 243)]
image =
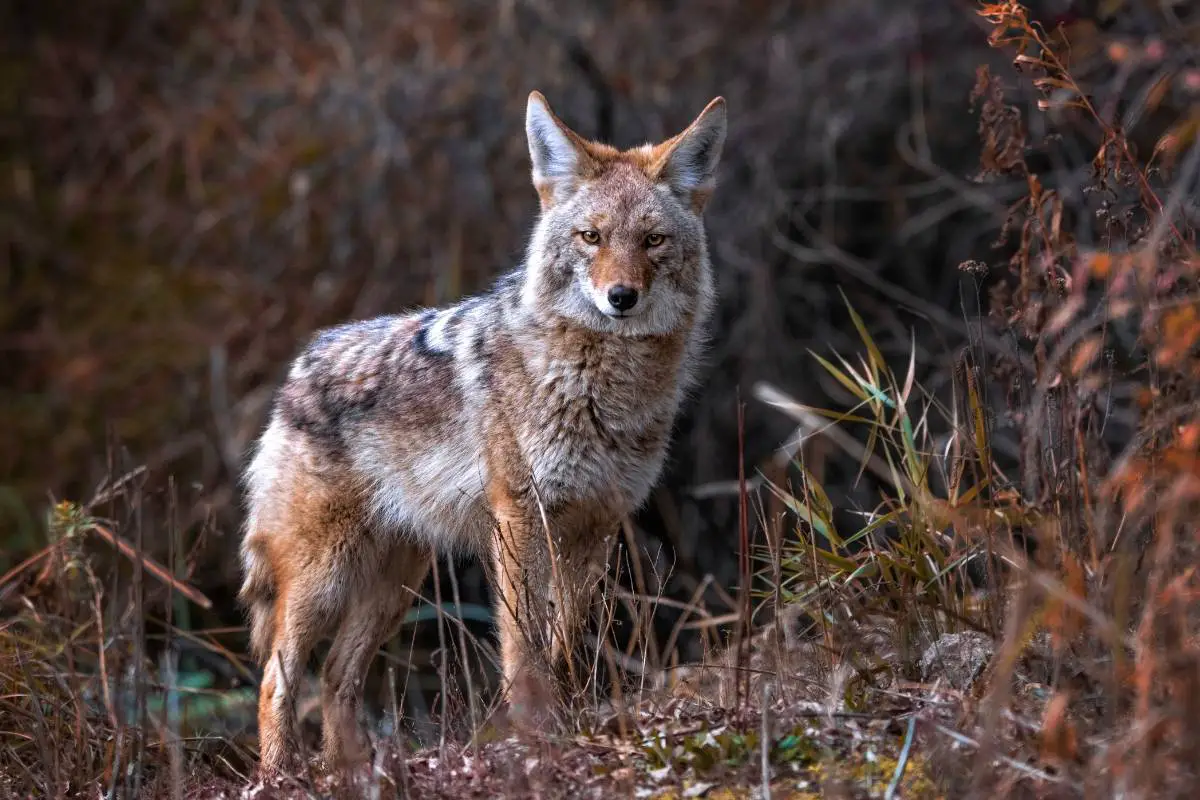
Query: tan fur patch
[(611, 267), (602, 158)]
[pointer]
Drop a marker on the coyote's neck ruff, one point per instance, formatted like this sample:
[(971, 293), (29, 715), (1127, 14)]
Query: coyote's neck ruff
[(520, 425)]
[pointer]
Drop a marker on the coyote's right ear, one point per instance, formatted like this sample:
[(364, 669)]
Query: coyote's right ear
[(559, 154)]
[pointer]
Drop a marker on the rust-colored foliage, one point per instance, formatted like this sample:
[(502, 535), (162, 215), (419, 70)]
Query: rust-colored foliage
[(1059, 740), (1121, 289)]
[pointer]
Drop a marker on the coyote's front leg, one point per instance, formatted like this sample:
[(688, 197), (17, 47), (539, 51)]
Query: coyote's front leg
[(586, 537), (521, 582)]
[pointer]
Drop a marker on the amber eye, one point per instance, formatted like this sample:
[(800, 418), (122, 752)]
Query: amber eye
[(591, 237), (655, 239)]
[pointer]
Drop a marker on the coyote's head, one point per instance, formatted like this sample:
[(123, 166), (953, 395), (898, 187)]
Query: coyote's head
[(620, 244)]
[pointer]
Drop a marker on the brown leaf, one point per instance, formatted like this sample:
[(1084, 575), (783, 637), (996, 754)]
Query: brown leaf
[(1058, 737), (1100, 265), (1085, 353), (1062, 620)]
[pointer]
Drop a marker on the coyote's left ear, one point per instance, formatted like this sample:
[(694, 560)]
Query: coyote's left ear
[(559, 154), (688, 162)]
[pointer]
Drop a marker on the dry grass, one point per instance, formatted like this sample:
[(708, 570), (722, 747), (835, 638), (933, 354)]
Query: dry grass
[(970, 570)]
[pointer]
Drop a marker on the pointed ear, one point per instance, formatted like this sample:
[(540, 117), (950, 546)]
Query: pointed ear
[(559, 154), (688, 163)]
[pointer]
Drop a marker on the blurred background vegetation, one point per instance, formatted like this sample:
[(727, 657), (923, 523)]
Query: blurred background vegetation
[(192, 188), (188, 190)]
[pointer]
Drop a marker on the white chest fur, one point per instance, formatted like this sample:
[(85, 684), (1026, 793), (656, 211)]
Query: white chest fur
[(595, 432)]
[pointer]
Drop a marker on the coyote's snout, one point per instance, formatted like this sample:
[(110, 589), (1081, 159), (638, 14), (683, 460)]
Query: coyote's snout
[(520, 425)]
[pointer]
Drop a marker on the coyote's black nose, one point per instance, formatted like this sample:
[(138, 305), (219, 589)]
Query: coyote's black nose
[(622, 298)]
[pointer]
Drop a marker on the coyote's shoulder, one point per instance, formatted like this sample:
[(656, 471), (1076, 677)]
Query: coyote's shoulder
[(543, 406)]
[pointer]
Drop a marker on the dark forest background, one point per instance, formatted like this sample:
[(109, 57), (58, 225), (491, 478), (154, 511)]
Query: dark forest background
[(188, 190), (192, 189)]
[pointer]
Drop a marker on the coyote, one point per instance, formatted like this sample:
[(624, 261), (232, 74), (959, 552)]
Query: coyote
[(521, 425)]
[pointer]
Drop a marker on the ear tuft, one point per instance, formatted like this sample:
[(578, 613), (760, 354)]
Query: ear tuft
[(691, 162)]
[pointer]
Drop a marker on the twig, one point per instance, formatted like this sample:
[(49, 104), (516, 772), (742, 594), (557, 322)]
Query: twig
[(744, 624), (106, 493), (1033, 772), (210, 645), (443, 662), (152, 566), (902, 762), (105, 688), (5, 589), (462, 644), (396, 735), (764, 738)]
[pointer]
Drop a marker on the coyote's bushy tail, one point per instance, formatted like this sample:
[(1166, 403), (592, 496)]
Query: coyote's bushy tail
[(258, 595)]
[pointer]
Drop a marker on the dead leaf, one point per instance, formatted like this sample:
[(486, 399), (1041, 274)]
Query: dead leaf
[(1059, 741)]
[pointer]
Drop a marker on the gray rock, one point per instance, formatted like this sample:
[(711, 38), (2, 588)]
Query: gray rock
[(957, 658)]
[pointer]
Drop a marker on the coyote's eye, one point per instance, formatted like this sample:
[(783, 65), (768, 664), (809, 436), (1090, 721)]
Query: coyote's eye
[(655, 239), (591, 237)]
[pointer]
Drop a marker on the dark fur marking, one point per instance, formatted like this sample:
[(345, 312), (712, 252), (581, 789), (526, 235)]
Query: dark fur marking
[(483, 356), (420, 340), (322, 403), (480, 343)]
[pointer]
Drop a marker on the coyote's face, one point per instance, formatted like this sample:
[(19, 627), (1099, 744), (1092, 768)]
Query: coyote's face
[(620, 244)]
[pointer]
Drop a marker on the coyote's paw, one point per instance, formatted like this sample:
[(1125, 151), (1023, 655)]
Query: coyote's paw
[(532, 705)]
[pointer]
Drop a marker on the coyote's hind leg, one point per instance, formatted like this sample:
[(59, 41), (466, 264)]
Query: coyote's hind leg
[(371, 618), (298, 626)]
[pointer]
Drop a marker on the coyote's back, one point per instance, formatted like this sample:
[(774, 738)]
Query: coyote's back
[(520, 425)]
